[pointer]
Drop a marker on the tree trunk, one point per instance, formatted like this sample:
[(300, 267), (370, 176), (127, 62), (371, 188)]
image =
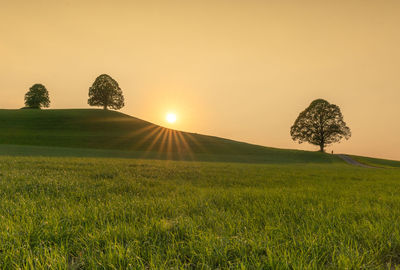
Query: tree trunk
[(321, 148), (322, 142), (105, 107)]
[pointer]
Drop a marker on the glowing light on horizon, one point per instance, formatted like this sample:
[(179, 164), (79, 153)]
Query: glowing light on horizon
[(171, 118)]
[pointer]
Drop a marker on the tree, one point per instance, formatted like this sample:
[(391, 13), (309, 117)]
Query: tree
[(37, 97), (105, 92), (320, 124)]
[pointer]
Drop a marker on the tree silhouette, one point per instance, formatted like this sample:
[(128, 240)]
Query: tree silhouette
[(37, 97), (105, 92), (320, 124)]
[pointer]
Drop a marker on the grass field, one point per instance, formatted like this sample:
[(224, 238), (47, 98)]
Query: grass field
[(85, 213), (115, 134), (94, 189), (383, 163)]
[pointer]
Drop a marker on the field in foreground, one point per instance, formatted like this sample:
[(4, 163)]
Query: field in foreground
[(88, 213)]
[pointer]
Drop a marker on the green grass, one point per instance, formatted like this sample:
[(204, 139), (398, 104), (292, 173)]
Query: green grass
[(66, 204), (284, 158), (383, 163), (87, 213), (115, 134)]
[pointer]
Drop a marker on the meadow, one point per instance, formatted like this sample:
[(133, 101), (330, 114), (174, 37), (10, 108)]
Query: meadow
[(86, 213), (99, 133)]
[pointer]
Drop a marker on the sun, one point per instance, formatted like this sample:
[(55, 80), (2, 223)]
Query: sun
[(171, 118)]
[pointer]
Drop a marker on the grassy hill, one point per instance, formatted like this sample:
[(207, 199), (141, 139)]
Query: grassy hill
[(110, 133), (381, 163), (88, 213)]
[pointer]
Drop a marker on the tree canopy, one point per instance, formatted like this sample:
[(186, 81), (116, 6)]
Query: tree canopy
[(320, 124), (106, 92), (37, 97)]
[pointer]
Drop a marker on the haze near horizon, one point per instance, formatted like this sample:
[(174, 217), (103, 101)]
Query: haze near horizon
[(242, 70)]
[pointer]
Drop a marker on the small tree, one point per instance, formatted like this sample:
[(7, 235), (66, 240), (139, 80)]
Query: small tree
[(105, 92), (320, 124), (37, 97)]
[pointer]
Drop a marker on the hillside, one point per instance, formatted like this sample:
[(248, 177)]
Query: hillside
[(123, 135)]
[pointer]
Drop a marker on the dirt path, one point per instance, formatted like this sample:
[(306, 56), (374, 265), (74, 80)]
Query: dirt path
[(351, 161)]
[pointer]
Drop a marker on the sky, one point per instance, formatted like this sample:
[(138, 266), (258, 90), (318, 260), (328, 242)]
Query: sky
[(242, 70)]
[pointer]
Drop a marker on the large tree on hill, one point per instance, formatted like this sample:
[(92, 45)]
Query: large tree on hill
[(106, 92), (320, 124), (37, 97)]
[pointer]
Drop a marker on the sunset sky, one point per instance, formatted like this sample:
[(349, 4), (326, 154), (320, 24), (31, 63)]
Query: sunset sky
[(243, 70)]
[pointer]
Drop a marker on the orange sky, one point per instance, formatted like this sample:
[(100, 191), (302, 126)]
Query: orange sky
[(236, 69)]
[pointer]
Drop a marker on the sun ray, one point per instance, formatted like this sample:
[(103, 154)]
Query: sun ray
[(197, 143), (169, 144), (147, 137), (163, 143), (187, 147), (155, 140), (134, 134), (176, 141), (143, 130)]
